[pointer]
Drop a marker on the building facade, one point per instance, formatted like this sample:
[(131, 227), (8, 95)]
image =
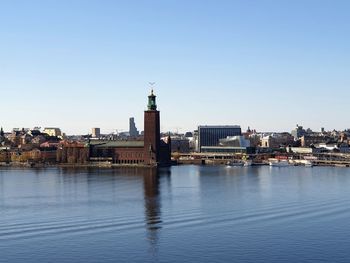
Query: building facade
[(211, 135), (312, 139), (277, 140), (56, 132), (180, 144), (298, 132), (96, 133), (151, 151)]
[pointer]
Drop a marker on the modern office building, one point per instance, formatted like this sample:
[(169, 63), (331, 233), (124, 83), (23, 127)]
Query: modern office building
[(211, 135)]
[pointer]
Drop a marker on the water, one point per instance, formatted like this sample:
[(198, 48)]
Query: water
[(183, 214)]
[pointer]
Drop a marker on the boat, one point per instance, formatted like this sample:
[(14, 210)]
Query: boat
[(308, 163), (235, 163), (247, 163), (279, 163)]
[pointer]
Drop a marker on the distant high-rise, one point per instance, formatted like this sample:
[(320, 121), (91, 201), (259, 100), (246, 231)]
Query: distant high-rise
[(132, 128), (96, 132)]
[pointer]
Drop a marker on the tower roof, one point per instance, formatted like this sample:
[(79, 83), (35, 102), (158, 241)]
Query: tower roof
[(152, 101)]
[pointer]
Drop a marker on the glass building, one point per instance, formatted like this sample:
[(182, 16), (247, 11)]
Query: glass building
[(210, 135)]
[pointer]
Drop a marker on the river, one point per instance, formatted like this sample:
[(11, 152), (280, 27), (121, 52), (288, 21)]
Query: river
[(180, 214)]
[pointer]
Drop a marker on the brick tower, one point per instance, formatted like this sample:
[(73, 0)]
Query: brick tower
[(151, 132)]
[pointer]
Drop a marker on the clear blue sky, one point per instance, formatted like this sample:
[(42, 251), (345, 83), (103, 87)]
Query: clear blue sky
[(264, 64)]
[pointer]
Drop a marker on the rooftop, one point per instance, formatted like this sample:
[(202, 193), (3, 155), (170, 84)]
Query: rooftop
[(219, 126), (116, 144)]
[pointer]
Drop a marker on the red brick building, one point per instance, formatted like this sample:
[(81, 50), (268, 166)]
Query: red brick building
[(152, 151)]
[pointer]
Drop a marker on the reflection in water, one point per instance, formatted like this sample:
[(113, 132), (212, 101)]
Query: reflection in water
[(150, 178), (2, 191), (212, 214), (152, 206)]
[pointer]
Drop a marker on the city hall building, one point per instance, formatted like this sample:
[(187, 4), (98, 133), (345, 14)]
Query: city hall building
[(151, 151)]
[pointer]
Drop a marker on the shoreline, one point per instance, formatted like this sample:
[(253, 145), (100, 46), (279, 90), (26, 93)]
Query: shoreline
[(109, 165), (48, 165)]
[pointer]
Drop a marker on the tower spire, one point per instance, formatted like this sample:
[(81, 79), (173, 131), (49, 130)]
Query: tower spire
[(152, 101)]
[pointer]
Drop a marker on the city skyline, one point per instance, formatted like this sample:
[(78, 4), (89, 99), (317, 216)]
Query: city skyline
[(264, 64)]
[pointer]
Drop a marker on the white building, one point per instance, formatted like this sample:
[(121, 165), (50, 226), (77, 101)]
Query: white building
[(53, 131), (235, 141), (96, 132)]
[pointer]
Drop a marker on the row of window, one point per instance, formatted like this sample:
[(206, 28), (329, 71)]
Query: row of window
[(129, 161), (138, 155)]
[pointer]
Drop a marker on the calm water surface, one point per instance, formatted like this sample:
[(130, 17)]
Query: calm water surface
[(183, 214)]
